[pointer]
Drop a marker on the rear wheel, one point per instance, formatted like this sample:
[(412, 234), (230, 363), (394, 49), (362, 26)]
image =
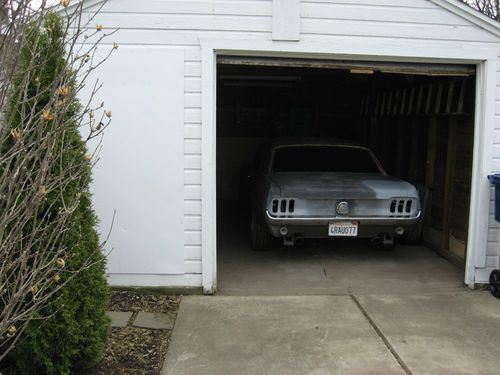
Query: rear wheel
[(260, 237)]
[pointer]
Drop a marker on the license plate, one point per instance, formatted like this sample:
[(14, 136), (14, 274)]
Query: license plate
[(343, 229)]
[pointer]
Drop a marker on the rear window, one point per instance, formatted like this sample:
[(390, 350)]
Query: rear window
[(323, 159)]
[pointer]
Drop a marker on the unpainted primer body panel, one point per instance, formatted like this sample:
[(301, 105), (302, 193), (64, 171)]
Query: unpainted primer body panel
[(306, 203), (341, 185)]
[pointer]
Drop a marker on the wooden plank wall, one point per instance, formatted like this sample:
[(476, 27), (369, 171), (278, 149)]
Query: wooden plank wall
[(424, 134)]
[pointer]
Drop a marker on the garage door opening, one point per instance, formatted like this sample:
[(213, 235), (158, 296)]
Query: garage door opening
[(418, 119)]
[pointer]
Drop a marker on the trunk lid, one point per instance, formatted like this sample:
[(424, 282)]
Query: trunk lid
[(326, 185)]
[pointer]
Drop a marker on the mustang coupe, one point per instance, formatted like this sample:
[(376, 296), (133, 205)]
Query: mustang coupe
[(321, 189)]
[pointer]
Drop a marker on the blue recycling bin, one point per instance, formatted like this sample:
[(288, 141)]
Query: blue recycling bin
[(495, 181), (495, 274)]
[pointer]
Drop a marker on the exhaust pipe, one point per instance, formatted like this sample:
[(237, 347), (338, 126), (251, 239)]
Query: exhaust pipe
[(299, 241), (293, 240)]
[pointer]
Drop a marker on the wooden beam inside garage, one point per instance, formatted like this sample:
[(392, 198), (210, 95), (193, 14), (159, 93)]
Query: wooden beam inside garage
[(429, 178), (444, 70), (450, 169), (414, 148), (431, 153)]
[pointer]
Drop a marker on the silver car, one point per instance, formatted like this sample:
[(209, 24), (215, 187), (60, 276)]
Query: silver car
[(321, 189)]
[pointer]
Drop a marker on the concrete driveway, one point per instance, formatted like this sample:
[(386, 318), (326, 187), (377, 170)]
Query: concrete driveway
[(453, 333), (325, 267), (335, 308)]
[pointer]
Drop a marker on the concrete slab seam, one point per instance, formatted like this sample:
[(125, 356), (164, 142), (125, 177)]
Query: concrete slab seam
[(380, 334), (164, 366)]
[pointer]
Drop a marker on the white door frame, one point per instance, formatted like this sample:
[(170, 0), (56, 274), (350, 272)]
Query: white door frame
[(485, 60)]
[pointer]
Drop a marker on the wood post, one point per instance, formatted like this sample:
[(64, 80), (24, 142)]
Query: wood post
[(448, 186), (414, 149), (431, 161)]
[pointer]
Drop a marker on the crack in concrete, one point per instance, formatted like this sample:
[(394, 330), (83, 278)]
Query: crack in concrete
[(322, 264), (381, 335)]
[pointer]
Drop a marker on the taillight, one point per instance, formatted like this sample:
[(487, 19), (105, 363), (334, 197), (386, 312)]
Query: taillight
[(283, 206), (400, 206)]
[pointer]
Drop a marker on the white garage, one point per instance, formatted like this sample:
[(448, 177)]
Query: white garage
[(186, 71)]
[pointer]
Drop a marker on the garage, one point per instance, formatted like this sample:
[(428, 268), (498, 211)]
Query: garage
[(417, 82), (418, 119)]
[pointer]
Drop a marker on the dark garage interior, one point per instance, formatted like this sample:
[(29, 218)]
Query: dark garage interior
[(418, 119)]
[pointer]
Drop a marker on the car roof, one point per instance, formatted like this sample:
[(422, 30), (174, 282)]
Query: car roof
[(272, 145), (279, 142)]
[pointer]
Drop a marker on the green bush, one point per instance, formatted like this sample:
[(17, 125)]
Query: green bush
[(71, 331)]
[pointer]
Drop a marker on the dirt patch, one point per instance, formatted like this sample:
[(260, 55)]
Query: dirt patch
[(133, 350)]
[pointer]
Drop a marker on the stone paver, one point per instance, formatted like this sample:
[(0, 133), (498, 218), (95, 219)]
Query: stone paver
[(154, 320), (119, 318)]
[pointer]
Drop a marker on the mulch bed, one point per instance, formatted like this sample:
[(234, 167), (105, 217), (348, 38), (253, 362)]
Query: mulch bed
[(133, 350), (134, 301)]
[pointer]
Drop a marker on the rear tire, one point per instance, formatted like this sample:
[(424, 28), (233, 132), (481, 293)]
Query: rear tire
[(261, 239)]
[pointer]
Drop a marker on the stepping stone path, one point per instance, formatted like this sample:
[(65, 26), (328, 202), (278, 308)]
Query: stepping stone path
[(154, 320), (143, 319), (119, 318)]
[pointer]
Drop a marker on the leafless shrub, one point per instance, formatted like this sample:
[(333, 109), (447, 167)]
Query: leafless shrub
[(489, 7), (33, 264)]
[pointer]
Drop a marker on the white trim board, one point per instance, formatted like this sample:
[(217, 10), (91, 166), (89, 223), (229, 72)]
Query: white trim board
[(286, 20), (453, 6), (157, 281), (485, 60), (470, 14), (208, 167)]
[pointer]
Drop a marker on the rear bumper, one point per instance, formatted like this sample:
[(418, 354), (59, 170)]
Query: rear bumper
[(317, 227), (272, 220)]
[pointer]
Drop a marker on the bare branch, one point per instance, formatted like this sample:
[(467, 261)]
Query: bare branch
[(37, 121)]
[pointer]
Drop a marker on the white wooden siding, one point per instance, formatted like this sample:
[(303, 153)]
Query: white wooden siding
[(130, 176), (182, 23), (493, 249)]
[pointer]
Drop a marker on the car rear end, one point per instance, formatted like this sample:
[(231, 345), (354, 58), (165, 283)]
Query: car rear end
[(330, 190), (337, 217)]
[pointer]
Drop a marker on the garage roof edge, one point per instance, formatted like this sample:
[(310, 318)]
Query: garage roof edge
[(470, 14), (86, 4), (453, 6)]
